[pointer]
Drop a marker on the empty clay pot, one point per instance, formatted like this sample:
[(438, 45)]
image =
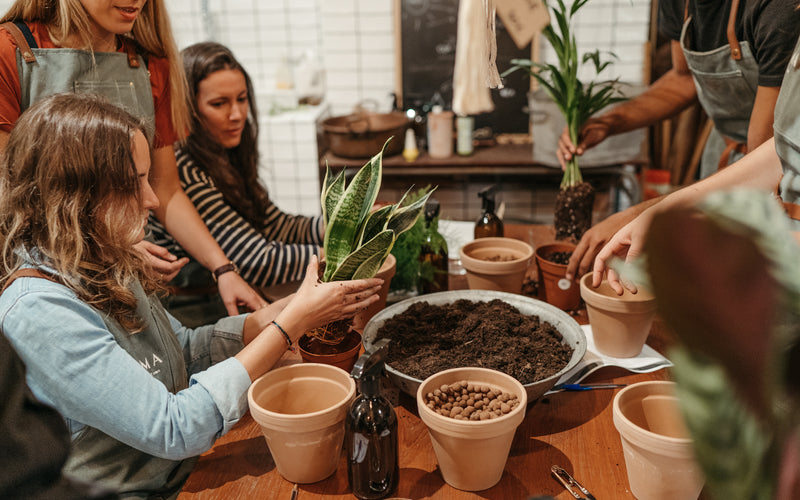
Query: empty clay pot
[(659, 455), (505, 272), (386, 272), (554, 288), (343, 355), (620, 323), (301, 410), (472, 454)]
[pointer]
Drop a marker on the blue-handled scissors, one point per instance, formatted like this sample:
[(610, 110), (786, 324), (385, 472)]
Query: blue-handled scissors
[(584, 387)]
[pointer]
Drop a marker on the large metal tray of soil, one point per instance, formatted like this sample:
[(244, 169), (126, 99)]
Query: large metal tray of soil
[(569, 329)]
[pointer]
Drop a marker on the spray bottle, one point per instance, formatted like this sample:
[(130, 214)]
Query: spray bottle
[(489, 224), (371, 431)]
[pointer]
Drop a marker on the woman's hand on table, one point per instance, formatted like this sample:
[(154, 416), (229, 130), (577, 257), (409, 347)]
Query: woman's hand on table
[(236, 292), (163, 262)]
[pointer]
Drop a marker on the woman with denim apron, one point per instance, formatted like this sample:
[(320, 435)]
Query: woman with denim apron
[(112, 67)]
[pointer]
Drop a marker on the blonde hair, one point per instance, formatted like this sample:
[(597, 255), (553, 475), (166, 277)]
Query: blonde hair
[(70, 197), (152, 31)]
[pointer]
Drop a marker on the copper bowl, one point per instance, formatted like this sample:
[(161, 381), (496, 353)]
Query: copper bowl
[(362, 135)]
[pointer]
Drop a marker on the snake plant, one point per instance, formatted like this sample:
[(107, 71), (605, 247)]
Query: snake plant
[(576, 100), (358, 239)]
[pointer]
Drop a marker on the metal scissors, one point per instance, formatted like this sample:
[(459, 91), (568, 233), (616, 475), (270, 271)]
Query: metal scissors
[(571, 484)]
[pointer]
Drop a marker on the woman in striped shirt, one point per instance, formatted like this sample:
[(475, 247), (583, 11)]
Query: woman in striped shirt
[(218, 168)]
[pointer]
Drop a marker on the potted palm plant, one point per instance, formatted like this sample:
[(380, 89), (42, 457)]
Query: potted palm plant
[(577, 101), (359, 239)]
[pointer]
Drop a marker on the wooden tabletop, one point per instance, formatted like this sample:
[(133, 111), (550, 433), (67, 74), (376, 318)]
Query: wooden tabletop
[(571, 429)]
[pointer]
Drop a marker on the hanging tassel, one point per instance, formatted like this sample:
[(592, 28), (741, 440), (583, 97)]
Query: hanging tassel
[(476, 55)]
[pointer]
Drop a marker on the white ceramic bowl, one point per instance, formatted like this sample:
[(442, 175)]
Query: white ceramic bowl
[(569, 329)]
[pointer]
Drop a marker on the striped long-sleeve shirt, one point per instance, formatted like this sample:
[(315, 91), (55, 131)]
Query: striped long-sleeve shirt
[(278, 253)]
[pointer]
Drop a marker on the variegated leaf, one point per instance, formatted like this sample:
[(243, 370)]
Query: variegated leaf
[(380, 244)]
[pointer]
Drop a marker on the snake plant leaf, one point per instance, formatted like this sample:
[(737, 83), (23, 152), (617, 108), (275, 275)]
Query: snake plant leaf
[(404, 218), (332, 191), (370, 267), (380, 244), (375, 165), (343, 225), (376, 222)]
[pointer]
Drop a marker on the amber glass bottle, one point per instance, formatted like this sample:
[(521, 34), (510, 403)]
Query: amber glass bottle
[(433, 254), (489, 224)]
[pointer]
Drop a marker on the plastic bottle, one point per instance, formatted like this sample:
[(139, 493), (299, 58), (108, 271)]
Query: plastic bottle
[(489, 224), (371, 431), (433, 254)]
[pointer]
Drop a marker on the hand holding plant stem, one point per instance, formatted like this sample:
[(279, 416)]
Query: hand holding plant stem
[(576, 101)]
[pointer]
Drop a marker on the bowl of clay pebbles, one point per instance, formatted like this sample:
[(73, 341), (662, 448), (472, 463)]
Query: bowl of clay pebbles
[(472, 415), (528, 339)]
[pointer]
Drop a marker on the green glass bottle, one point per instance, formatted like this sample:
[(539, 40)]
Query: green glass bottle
[(433, 254)]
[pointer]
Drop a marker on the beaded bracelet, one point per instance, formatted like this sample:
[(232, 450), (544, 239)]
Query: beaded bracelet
[(285, 336)]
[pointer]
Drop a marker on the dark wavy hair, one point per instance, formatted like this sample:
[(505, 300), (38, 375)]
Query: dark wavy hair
[(70, 195), (234, 170)]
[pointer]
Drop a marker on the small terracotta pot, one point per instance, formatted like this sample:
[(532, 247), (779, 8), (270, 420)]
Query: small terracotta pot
[(386, 272), (343, 355), (472, 454), (506, 274), (554, 288), (620, 323), (659, 453), (301, 410)]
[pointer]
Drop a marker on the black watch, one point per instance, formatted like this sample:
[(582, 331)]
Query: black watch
[(230, 266)]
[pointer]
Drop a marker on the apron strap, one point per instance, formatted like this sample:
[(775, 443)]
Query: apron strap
[(130, 49), (32, 273), (23, 39), (736, 51), (730, 147)]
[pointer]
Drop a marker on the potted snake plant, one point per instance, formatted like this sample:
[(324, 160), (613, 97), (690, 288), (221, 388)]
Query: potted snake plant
[(359, 239), (577, 101)]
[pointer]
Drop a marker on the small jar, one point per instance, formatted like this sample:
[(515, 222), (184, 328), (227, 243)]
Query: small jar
[(464, 126)]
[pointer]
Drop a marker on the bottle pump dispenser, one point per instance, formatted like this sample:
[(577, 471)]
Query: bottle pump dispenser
[(371, 430), (489, 224)]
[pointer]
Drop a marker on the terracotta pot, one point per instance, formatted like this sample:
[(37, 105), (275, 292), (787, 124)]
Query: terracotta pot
[(620, 323), (506, 273), (386, 272), (301, 410), (343, 355), (472, 454), (658, 452), (554, 288)]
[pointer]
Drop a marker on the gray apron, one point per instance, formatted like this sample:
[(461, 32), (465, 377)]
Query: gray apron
[(787, 137), (97, 458), (120, 77), (726, 79)]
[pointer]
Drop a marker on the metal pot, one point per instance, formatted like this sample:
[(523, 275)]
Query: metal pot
[(362, 135)]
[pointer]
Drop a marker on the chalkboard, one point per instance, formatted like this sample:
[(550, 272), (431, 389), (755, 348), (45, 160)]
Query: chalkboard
[(428, 49)]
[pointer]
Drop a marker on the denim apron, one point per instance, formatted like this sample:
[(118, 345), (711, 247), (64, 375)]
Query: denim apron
[(121, 77), (787, 137), (726, 79)]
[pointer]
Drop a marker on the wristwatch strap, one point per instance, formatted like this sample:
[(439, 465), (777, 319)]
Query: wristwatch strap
[(230, 266)]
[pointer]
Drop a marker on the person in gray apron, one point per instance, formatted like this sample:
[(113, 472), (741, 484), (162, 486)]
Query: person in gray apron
[(141, 394), (787, 137), (728, 82), (123, 77)]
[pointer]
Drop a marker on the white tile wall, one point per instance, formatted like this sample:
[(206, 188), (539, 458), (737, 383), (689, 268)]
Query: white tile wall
[(355, 42)]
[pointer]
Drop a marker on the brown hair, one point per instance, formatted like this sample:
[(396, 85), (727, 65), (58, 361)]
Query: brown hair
[(152, 31), (70, 197), (235, 170)]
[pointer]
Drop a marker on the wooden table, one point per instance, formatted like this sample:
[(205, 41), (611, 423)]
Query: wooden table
[(570, 429)]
